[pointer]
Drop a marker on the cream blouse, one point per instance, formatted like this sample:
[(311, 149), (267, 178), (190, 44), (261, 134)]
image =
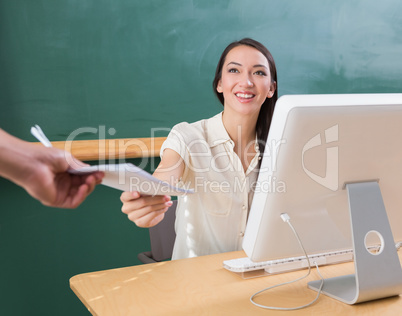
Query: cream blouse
[(213, 219)]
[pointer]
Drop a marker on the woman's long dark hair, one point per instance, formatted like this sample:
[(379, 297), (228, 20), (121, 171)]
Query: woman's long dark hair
[(267, 108)]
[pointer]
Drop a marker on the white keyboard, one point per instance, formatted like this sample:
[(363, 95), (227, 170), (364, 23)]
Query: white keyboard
[(287, 264)]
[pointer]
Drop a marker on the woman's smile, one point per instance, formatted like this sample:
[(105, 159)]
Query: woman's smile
[(245, 96)]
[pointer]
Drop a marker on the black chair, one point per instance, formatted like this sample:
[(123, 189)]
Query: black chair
[(162, 238)]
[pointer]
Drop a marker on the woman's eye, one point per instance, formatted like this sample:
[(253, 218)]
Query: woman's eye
[(233, 70), (260, 73)]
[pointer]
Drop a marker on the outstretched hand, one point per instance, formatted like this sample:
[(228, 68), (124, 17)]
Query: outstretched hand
[(145, 211), (43, 172), (53, 185)]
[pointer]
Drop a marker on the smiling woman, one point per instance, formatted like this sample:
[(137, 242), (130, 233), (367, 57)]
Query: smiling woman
[(217, 157), (267, 108), (245, 82)]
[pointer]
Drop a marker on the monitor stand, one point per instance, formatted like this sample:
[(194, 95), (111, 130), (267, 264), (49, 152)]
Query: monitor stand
[(376, 275)]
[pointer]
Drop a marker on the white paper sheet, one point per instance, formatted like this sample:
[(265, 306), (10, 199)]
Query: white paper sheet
[(128, 177)]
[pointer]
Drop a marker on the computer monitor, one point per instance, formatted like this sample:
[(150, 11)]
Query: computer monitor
[(316, 145)]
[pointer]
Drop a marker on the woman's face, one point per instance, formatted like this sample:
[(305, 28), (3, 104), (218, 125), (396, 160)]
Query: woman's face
[(246, 80)]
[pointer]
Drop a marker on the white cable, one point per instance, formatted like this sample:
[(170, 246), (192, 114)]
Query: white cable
[(285, 217)]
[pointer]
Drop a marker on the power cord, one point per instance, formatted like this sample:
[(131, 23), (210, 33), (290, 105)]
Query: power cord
[(285, 217)]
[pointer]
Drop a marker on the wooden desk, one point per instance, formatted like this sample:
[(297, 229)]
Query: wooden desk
[(201, 286)]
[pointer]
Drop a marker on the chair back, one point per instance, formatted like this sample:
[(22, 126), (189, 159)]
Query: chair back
[(162, 238)]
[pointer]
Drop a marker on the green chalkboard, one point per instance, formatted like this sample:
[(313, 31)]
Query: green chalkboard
[(136, 65), (131, 68)]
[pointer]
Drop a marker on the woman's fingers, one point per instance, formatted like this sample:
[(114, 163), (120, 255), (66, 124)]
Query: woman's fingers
[(149, 219), (145, 211)]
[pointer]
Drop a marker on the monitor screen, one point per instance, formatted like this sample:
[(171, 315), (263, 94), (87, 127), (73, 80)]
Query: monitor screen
[(316, 144)]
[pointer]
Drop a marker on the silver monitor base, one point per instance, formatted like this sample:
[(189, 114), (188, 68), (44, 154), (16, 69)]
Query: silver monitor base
[(376, 275)]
